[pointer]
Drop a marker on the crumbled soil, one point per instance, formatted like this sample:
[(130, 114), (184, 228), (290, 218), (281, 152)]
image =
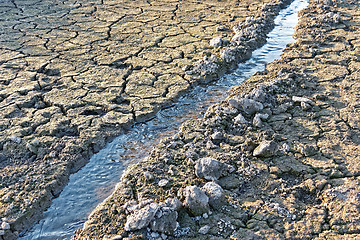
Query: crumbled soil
[(307, 187)]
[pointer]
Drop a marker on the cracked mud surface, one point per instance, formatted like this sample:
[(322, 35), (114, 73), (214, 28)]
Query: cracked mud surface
[(75, 74), (288, 139)]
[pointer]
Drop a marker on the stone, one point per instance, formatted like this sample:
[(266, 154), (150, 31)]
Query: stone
[(148, 175), (164, 221), (302, 100), (216, 42), (196, 200), (217, 136), (163, 182), (15, 139), (5, 225), (249, 106), (230, 182), (33, 146), (173, 203), (204, 229), (239, 119), (215, 193), (265, 149), (142, 217), (208, 168), (257, 121)]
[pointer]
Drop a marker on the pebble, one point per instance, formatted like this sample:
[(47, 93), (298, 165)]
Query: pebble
[(239, 119), (5, 225), (204, 229), (148, 175), (265, 149), (215, 193), (163, 182), (302, 99), (217, 136), (216, 42), (15, 139)]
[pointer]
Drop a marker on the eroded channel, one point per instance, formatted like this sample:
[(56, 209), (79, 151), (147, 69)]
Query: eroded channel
[(94, 182)]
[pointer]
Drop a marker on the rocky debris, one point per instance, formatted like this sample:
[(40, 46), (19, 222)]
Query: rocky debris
[(218, 42), (249, 106), (208, 168), (215, 193), (164, 221), (209, 66), (141, 217), (195, 200), (265, 149)]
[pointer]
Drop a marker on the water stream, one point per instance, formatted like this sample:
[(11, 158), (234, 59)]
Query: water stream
[(94, 182)]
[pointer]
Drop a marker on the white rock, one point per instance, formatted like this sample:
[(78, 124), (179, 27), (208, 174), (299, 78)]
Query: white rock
[(217, 136), (208, 168), (302, 99), (196, 200), (257, 121), (164, 222), (163, 182), (239, 119), (173, 203), (216, 42), (204, 229), (15, 139), (215, 193), (148, 175), (142, 217), (5, 225)]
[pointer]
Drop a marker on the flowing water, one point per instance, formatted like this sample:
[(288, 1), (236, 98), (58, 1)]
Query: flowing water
[(94, 182)]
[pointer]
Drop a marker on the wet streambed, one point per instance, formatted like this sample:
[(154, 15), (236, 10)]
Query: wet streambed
[(94, 182)]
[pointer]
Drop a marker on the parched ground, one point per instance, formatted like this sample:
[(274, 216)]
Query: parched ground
[(75, 74), (285, 146)]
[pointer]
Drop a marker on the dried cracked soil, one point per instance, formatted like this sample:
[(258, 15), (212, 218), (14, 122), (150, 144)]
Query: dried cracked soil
[(75, 74)]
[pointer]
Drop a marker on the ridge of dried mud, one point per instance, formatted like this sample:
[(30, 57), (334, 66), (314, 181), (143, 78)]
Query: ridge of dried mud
[(305, 188), (76, 74)]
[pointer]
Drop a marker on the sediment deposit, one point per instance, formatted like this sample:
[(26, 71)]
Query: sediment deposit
[(278, 159)]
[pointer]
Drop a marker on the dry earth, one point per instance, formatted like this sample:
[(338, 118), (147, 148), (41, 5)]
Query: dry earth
[(278, 159), (75, 74)]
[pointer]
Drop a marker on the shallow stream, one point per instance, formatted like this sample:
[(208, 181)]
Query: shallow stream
[(94, 182)]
